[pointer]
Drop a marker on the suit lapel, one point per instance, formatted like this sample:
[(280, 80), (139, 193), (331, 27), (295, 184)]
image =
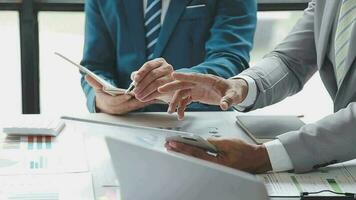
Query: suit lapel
[(135, 22), (175, 10), (328, 18)]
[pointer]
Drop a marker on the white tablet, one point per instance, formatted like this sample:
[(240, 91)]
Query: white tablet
[(107, 87)]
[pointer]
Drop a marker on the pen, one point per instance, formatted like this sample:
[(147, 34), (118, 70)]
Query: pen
[(130, 88)]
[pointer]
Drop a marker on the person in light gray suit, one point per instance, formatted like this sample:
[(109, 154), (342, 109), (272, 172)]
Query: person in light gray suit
[(323, 40)]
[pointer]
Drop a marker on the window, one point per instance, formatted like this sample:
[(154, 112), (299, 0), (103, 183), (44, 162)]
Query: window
[(272, 27), (63, 32), (10, 62), (60, 81)]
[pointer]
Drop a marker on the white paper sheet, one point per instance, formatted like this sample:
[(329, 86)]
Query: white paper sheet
[(39, 154), (76, 186), (338, 178)]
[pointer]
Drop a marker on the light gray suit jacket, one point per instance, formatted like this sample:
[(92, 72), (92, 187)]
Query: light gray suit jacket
[(284, 71)]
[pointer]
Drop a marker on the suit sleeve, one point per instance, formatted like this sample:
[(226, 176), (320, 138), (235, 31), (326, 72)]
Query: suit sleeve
[(99, 50), (328, 141), (285, 70), (231, 39)]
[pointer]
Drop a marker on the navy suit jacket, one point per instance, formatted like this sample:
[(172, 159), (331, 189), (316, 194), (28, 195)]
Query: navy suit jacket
[(212, 39)]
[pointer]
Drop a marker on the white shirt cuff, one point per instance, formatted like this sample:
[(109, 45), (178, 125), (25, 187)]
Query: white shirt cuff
[(251, 95), (278, 156)]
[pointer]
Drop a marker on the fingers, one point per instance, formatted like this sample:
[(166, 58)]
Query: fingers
[(133, 74), (189, 150), (151, 88), (195, 78), (163, 70), (147, 67), (93, 83), (177, 98), (231, 98), (109, 104), (182, 106), (175, 85), (152, 96), (185, 81)]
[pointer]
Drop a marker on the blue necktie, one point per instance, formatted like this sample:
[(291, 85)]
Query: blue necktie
[(152, 25)]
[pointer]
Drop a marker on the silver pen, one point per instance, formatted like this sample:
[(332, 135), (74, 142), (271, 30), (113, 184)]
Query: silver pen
[(130, 88)]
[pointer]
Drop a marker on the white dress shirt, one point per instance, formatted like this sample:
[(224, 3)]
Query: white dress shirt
[(165, 5), (280, 160)]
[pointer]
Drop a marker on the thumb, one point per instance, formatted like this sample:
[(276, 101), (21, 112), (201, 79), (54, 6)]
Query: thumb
[(231, 97), (93, 83), (133, 74), (218, 143)]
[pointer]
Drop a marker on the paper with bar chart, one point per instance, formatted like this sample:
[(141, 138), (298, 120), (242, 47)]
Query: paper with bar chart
[(338, 178), (76, 186), (43, 154)]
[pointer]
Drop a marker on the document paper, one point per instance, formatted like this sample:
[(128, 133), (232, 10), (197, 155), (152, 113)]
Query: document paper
[(43, 154), (339, 178), (76, 186)]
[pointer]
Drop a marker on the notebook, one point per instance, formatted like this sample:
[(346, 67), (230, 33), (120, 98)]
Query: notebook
[(262, 129)]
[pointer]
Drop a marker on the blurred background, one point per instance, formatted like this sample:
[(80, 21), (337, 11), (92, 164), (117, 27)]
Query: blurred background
[(61, 28)]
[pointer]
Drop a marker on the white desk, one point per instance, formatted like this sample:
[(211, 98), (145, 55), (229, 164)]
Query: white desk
[(220, 124)]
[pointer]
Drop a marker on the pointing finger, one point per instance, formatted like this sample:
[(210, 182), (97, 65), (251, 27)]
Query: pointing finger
[(177, 98), (182, 106)]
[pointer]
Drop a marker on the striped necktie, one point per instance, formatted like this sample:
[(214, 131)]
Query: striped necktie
[(152, 25), (342, 38)]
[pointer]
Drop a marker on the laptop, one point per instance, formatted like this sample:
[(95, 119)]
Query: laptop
[(151, 174)]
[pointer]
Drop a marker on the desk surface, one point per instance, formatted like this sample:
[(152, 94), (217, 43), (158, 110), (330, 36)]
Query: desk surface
[(206, 124)]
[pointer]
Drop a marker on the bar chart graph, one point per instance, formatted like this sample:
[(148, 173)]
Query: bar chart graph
[(35, 154), (40, 163), (39, 142)]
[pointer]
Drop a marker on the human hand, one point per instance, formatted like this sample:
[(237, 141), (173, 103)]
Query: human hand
[(233, 153), (150, 77), (116, 105), (203, 88)]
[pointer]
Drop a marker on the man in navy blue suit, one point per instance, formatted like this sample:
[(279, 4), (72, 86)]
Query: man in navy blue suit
[(153, 38)]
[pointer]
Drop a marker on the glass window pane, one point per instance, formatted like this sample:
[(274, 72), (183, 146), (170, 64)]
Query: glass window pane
[(10, 62), (272, 27), (60, 81)]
